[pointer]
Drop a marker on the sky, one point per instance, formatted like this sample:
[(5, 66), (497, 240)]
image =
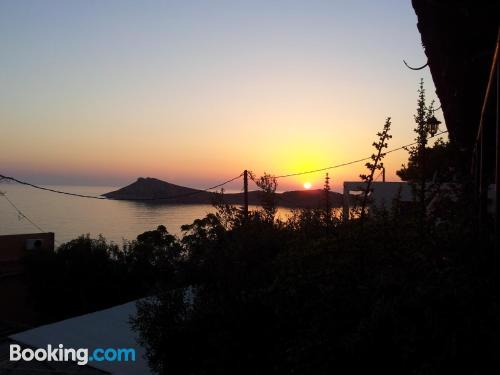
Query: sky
[(193, 92)]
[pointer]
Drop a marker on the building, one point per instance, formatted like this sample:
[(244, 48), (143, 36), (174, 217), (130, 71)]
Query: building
[(382, 195), (16, 311)]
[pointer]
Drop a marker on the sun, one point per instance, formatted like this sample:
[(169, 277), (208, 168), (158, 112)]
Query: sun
[(307, 185)]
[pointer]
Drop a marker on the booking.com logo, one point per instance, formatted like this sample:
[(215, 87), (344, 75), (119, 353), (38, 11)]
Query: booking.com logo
[(80, 356)]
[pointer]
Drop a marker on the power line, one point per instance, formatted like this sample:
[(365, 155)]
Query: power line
[(414, 143), (3, 177), (20, 213), (48, 189), (354, 161), (188, 194), (323, 169)]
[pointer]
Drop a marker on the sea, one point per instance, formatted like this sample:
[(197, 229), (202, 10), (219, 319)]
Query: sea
[(69, 217)]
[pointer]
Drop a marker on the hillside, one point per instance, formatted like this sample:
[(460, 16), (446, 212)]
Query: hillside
[(159, 191), (154, 189)]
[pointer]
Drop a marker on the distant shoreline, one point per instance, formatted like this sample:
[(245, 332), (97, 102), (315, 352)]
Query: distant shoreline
[(155, 191)]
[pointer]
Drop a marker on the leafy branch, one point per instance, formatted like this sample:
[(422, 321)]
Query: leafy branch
[(375, 164)]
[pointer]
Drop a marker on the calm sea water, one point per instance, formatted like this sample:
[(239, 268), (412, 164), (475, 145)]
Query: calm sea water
[(69, 217)]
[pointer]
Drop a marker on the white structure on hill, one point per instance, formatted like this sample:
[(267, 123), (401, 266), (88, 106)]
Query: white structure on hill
[(383, 194)]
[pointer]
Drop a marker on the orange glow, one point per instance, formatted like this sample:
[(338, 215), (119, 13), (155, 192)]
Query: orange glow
[(207, 106)]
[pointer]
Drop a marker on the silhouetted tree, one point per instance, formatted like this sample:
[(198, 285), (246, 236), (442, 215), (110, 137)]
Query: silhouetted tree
[(289, 298), (417, 153), (440, 162), (268, 184), (88, 274), (328, 205), (376, 163)]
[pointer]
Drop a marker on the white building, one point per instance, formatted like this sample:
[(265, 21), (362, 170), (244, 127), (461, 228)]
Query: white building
[(384, 194)]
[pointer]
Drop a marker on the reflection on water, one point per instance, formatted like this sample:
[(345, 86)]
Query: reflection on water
[(69, 217)]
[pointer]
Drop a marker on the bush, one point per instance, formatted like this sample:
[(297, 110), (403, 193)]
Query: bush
[(88, 274), (293, 297)]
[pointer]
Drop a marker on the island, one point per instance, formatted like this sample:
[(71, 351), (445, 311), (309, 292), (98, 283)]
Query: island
[(153, 190)]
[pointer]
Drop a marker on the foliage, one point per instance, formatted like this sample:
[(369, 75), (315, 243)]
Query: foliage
[(287, 297), (417, 153), (281, 297), (439, 161), (376, 163), (89, 274), (327, 204), (267, 183), (284, 297)]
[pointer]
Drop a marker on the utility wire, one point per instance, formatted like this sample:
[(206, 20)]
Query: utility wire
[(47, 189), (186, 194), (414, 143), (354, 161), (323, 169), (3, 177), (21, 214)]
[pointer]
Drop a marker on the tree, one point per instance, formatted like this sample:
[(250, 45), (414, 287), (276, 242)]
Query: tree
[(268, 184), (328, 205), (376, 163), (439, 162), (87, 274), (417, 153)]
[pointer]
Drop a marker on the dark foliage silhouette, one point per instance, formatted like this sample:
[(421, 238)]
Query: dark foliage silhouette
[(266, 295), (89, 274)]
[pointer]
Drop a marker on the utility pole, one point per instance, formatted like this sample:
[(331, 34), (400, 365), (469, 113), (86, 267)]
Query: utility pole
[(245, 194), (383, 174)]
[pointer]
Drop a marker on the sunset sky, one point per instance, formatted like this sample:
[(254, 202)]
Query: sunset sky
[(193, 92)]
